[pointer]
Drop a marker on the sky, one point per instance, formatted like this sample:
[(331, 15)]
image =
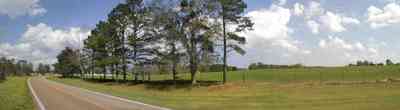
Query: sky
[(310, 32)]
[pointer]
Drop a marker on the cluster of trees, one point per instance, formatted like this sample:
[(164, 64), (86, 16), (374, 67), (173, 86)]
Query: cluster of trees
[(366, 63), (43, 68), (139, 35), (260, 65), (220, 67), (14, 67), (388, 62), (68, 63)]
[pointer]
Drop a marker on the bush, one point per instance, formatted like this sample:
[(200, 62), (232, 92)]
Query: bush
[(220, 67), (260, 65)]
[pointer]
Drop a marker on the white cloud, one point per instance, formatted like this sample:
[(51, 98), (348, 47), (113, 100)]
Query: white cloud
[(41, 43), (314, 9), (271, 37), (317, 17), (298, 9), (279, 35), (314, 26), (335, 23), (14, 8), (338, 43), (341, 52), (390, 14), (349, 20), (280, 2)]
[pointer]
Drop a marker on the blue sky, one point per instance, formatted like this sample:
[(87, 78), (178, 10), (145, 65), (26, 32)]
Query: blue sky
[(60, 14), (311, 32), (72, 13)]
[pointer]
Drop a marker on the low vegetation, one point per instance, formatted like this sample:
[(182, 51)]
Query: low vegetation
[(341, 88), (15, 95), (13, 67)]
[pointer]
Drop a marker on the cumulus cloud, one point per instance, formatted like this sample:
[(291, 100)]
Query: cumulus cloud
[(314, 9), (317, 18), (14, 8), (341, 52), (335, 23), (314, 26), (298, 9), (390, 14), (271, 30), (338, 43), (41, 43), (271, 37), (278, 36)]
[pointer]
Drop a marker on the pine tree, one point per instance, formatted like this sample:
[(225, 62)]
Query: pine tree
[(197, 31), (231, 15), (67, 62), (166, 30)]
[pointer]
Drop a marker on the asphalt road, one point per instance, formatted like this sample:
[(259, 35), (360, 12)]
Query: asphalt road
[(50, 95)]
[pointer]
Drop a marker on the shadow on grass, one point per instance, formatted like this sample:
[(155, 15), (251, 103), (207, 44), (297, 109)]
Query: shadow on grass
[(160, 85), (167, 85)]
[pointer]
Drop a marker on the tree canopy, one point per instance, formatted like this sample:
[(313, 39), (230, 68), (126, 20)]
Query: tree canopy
[(178, 34)]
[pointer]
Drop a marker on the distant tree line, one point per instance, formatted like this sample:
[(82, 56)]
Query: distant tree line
[(181, 35), (260, 65), (43, 68), (14, 67), (388, 62), (220, 67)]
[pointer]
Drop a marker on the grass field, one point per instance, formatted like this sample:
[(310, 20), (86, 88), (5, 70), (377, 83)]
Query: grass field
[(15, 95), (275, 89)]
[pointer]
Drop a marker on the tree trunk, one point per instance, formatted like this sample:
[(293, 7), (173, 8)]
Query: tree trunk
[(225, 68), (193, 70), (113, 71), (193, 77), (123, 56), (174, 72), (104, 73), (117, 72), (124, 68), (193, 60), (136, 75), (92, 65)]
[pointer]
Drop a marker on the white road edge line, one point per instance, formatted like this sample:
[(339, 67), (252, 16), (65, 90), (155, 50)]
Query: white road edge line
[(113, 97), (40, 104)]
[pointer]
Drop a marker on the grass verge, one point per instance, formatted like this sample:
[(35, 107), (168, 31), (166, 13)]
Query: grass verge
[(256, 95), (15, 94)]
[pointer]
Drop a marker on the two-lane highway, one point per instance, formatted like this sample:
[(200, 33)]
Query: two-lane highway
[(49, 95)]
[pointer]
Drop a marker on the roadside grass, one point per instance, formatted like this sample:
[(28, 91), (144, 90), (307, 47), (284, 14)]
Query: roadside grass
[(275, 89), (15, 94)]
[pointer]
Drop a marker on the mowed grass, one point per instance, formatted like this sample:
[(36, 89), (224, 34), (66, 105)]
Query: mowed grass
[(271, 89), (364, 73), (15, 94)]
